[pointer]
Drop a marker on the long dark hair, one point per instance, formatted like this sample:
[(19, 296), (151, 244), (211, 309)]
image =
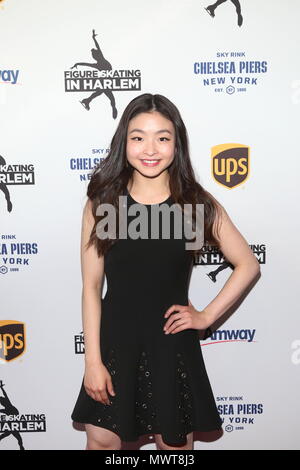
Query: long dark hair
[(110, 178)]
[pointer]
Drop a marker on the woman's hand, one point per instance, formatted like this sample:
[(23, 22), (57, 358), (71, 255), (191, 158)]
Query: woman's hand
[(97, 382), (187, 317)]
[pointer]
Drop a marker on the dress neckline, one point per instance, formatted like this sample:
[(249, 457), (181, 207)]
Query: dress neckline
[(147, 205)]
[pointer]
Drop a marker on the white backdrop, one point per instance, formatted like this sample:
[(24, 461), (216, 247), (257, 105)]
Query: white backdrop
[(253, 358)]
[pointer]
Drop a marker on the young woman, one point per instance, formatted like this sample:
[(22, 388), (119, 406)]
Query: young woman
[(144, 370)]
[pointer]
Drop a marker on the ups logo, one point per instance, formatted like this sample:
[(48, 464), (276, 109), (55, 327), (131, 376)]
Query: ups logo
[(12, 339), (230, 164)]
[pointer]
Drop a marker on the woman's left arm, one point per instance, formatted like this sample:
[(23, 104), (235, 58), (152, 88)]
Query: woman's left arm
[(246, 267)]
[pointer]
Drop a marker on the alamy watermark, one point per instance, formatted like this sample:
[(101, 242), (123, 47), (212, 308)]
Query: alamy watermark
[(138, 227)]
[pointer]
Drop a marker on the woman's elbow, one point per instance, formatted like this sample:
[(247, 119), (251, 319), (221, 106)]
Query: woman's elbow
[(91, 287), (253, 267)]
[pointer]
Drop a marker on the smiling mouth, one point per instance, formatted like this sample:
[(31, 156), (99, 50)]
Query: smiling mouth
[(150, 162)]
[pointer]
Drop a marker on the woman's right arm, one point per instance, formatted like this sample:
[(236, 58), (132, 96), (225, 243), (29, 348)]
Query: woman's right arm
[(97, 380)]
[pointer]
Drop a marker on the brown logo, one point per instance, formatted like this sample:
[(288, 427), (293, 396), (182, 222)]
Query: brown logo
[(12, 339), (230, 164)]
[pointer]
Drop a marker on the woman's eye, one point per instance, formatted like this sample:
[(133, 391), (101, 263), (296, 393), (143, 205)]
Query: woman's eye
[(138, 139)]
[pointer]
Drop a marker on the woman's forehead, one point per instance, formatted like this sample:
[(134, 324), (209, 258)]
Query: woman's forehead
[(153, 120)]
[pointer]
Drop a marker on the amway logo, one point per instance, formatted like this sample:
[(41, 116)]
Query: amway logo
[(222, 336), (9, 76)]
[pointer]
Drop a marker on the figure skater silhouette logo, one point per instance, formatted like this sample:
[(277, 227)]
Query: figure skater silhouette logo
[(3, 187), (14, 174), (10, 410), (211, 9), (100, 64)]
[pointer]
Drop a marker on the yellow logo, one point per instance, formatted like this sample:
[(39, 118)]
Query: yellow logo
[(230, 164), (12, 339)]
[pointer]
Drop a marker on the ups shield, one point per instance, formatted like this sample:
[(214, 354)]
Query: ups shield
[(230, 164), (12, 339)]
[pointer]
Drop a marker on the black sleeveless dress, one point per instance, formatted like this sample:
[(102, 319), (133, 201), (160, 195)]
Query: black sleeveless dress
[(160, 380)]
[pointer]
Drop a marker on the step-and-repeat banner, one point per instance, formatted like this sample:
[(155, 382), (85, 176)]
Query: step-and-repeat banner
[(233, 70)]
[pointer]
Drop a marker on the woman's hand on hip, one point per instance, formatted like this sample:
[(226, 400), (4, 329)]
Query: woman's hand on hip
[(186, 317)]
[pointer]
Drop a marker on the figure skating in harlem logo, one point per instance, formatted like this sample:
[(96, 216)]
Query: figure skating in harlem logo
[(10, 410), (104, 80), (12, 423), (211, 9), (213, 256), (17, 174)]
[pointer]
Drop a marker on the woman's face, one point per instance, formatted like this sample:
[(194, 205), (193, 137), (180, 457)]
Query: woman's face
[(150, 143)]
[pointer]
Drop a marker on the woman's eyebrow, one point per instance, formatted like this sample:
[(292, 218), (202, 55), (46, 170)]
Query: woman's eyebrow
[(157, 132)]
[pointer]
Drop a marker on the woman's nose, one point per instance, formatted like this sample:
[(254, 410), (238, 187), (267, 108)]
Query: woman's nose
[(150, 148)]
